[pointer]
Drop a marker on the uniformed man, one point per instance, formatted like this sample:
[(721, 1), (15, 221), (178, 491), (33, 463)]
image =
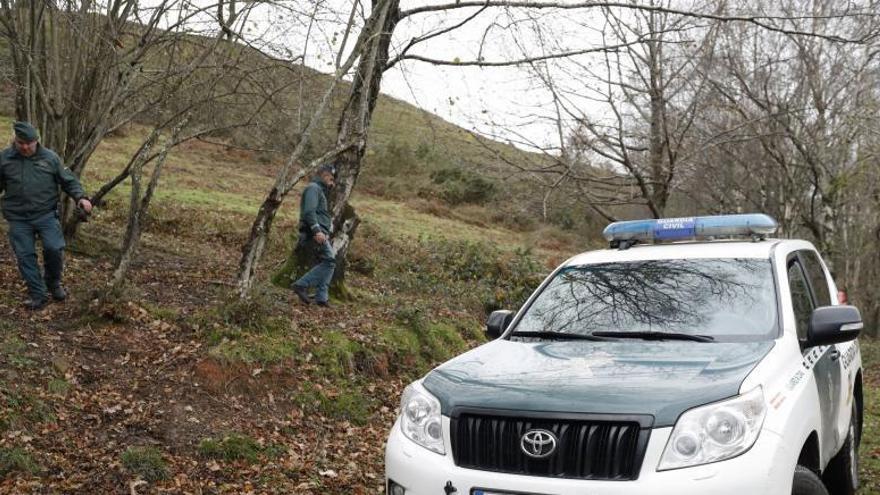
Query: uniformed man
[(30, 176), (315, 226)]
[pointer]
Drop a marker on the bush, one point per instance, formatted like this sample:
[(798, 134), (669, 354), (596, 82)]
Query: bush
[(459, 186), (252, 313), (477, 275), (393, 159), (145, 462)]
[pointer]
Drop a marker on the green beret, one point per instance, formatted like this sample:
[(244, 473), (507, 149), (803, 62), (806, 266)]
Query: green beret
[(25, 131)]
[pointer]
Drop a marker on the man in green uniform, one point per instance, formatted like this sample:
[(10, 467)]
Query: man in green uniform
[(30, 176), (315, 227)]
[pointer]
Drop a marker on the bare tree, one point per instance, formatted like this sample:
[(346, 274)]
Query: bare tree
[(139, 203), (792, 132), (82, 69)]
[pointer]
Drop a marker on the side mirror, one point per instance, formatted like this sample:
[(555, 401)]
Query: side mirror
[(498, 322), (833, 325)]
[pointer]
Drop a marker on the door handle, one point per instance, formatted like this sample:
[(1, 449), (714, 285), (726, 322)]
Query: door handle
[(835, 355)]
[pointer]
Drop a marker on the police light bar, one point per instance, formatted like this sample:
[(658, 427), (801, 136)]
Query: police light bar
[(625, 234)]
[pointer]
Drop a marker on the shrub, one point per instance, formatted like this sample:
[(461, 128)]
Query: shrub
[(252, 313), (460, 186), (145, 462), (393, 159), (478, 275)]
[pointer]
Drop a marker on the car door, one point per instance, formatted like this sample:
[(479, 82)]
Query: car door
[(830, 362), (823, 360)]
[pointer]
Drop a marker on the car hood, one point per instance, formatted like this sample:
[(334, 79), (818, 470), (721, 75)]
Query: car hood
[(658, 378)]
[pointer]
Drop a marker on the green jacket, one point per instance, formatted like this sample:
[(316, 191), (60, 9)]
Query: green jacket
[(30, 185), (313, 213)]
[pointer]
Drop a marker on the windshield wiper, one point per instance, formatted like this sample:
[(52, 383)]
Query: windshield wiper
[(560, 336), (656, 336)]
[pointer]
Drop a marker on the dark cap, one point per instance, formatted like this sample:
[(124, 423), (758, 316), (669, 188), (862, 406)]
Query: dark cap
[(327, 167), (25, 131)]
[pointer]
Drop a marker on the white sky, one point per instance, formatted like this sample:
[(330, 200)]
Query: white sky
[(498, 101)]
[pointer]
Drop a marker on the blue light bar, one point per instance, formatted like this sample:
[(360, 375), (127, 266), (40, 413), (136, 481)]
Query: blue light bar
[(677, 229)]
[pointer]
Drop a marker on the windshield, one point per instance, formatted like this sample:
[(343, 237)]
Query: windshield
[(728, 299)]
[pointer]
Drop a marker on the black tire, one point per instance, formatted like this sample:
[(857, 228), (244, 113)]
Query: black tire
[(806, 482), (842, 474)]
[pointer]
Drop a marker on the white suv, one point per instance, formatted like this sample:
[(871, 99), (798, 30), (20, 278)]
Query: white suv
[(717, 361)]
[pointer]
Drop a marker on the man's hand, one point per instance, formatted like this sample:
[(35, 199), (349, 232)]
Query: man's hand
[(85, 204), (320, 238)]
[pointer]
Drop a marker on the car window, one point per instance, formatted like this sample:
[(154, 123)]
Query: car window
[(727, 299), (816, 274), (800, 298)]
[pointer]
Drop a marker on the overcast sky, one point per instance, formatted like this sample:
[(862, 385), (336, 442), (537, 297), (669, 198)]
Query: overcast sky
[(497, 101)]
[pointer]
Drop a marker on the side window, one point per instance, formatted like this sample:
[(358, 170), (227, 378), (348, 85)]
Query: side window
[(817, 277), (800, 298)]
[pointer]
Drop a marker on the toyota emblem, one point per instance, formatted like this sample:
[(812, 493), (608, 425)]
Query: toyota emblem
[(538, 444)]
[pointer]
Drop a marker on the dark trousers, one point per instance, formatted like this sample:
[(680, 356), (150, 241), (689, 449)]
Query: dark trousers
[(321, 274), (23, 237)]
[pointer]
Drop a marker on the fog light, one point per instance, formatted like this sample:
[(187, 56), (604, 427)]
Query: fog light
[(395, 489), (686, 445)]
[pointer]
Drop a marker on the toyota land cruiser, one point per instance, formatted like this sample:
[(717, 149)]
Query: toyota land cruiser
[(694, 356)]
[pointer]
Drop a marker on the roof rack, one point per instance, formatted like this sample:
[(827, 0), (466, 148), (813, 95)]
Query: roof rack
[(755, 226)]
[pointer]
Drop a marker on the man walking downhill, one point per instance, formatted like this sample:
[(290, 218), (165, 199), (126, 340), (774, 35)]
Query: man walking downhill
[(29, 179), (315, 227)]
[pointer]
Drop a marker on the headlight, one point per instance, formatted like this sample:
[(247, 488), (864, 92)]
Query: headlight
[(715, 432), (420, 418)]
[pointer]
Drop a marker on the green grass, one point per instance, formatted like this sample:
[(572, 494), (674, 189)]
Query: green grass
[(246, 331), (249, 348), (869, 452), (146, 463), (21, 409), (336, 354), (343, 400), (58, 386), (16, 460), (13, 350), (236, 447)]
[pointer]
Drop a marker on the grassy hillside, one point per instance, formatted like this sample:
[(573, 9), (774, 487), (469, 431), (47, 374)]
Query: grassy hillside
[(412, 155)]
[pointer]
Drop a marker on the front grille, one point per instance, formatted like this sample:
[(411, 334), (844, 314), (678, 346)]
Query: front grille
[(589, 447)]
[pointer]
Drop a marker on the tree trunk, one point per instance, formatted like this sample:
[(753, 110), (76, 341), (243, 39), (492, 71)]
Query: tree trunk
[(256, 243)]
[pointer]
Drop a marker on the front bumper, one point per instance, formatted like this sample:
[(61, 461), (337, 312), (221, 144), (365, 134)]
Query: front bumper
[(766, 469)]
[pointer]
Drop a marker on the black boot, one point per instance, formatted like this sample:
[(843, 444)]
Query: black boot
[(58, 293), (302, 293)]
